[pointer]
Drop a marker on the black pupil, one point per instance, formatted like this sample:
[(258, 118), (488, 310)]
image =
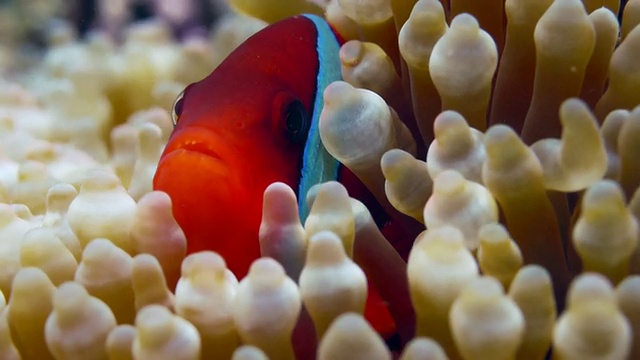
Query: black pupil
[(178, 107), (296, 122), (177, 110)]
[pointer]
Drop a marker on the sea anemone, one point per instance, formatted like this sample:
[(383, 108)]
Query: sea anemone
[(507, 133)]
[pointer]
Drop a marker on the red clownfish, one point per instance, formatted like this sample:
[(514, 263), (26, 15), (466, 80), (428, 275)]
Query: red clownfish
[(251, 122)]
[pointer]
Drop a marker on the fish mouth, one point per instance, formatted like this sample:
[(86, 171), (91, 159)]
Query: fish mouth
[(200, 141), (199, 147), (202, 157)]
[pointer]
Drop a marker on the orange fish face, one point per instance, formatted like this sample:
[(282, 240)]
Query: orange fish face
[(216, 176), (237, 131)]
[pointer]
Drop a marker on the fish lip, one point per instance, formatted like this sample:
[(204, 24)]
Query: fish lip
[(197, 140), (198, 146)]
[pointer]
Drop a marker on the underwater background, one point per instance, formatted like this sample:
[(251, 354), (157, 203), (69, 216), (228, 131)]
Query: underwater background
[(500, 138)]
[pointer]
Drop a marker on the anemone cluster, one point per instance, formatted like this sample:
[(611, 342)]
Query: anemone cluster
[(509, 130)]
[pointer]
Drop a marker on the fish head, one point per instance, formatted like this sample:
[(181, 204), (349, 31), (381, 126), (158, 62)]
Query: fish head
[(238, 130)]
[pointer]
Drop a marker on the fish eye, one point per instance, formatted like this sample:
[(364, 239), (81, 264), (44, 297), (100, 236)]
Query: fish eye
[(296, 122), (177, 108)]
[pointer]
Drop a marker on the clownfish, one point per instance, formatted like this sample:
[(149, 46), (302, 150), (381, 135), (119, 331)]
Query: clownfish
[(251, 122)]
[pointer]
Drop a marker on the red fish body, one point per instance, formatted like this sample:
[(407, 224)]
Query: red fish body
[(251, 122), (230, 141)]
